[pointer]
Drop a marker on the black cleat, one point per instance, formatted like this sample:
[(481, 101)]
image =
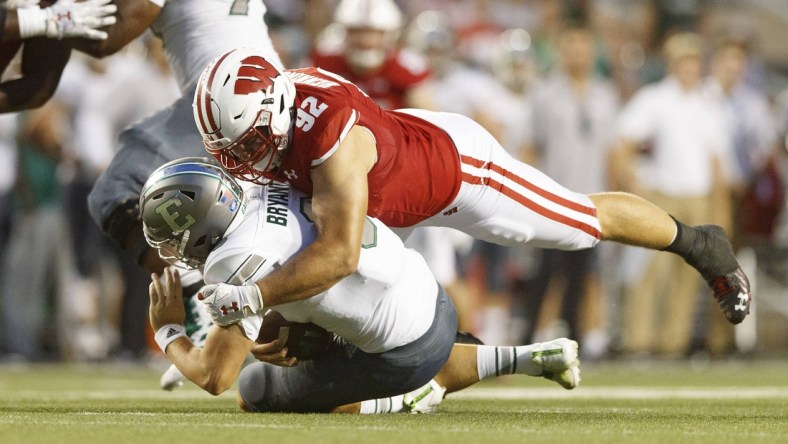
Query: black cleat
[(732, 292), (724, 275)]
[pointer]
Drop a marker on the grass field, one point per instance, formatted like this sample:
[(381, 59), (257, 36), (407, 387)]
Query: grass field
[(720, 402)]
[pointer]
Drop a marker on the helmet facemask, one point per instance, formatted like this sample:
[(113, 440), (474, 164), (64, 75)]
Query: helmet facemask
[(256, 154)]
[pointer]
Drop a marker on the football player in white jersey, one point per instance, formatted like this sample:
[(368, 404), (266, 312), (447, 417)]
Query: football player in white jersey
[(394, 325), (193, 33)]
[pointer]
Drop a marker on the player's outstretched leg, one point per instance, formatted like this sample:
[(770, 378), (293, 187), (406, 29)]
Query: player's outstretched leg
[(708, 250), (631, 220), (555, 360)]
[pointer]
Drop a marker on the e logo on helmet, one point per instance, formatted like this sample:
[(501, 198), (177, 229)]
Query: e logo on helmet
[(172, 217)]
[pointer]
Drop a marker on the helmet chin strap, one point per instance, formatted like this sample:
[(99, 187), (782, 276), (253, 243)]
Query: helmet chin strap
[(182, 244)]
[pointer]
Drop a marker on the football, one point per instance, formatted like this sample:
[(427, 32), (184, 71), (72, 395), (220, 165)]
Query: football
[(305, 341)]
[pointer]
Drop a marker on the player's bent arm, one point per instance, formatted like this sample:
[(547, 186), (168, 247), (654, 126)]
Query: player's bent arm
[(43, 61), (339, 206), (133, 18), (215, 367)]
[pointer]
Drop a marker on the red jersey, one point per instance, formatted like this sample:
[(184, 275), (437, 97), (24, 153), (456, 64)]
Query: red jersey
[(387, 86), (417, 173)]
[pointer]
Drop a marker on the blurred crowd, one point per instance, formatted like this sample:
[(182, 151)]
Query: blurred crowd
[(682, 102)]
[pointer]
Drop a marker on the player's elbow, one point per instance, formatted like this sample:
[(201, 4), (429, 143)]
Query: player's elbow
[(215, 378), (346, 262), (217, 383)]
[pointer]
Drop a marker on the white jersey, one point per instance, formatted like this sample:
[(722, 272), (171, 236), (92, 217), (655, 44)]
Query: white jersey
[(194, 33), (388, 302)]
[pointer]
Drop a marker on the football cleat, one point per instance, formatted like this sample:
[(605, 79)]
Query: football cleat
[(559, 362), (732, 292), (171, 379), (424, 399), (731, 289)]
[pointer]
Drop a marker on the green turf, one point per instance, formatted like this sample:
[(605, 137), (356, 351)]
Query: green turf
[(742, 403)]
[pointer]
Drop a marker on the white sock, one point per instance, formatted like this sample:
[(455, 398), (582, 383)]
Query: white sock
[(494, 361), (392, 404)]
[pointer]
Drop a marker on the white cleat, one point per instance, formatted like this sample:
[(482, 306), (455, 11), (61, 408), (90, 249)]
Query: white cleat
[(171, 379), (425, 399), (559, 362)]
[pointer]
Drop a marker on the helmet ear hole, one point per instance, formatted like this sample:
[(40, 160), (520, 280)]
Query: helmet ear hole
[(190, 194), (158, 196)]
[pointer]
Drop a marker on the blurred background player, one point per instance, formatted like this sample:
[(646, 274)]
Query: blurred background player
[(362, 46), (684, 172), (575, 112)]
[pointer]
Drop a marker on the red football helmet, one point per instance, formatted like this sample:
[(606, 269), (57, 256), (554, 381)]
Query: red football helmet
[(243, 107)]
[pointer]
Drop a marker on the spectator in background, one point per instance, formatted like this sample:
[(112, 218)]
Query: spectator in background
[(8, 153), (749, 124), (751, 134), (7, 174), (514, 68), (574, 132), (121, 90), (685, 175), (38, 264)]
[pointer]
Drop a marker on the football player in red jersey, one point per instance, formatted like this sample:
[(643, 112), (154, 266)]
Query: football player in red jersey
[(368, 57), (412, 168)]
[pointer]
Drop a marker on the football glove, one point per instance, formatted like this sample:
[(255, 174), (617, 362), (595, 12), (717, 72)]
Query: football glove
[(67, 18), (228, 304)]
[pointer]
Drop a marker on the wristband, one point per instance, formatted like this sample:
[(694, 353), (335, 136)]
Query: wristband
[(168, 333), (32, 22)]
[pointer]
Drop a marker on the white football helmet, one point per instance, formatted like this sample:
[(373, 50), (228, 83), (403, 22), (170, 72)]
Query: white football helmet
[(376, 14), (243, 107), (187, 207), (372, 28)]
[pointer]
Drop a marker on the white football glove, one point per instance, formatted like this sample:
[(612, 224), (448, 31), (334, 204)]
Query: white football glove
[(228, 304), (67, 18)]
